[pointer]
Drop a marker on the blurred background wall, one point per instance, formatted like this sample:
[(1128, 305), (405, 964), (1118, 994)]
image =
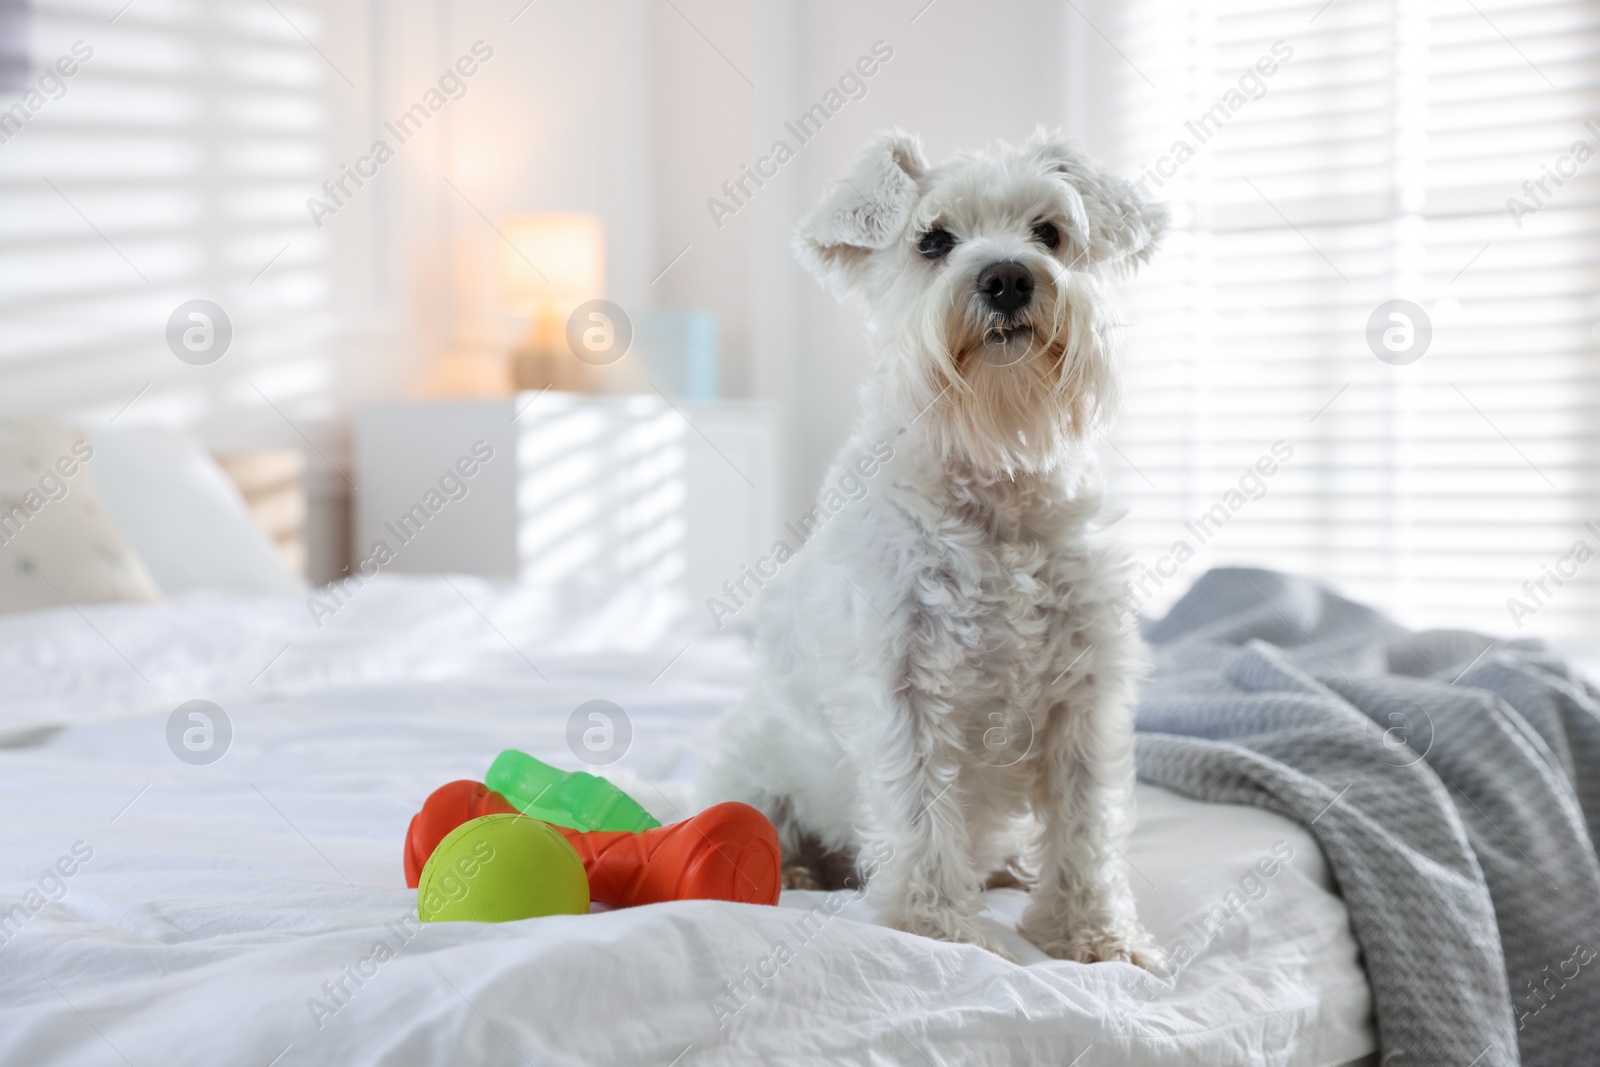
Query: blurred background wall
[(1379, 163), (178, 164)]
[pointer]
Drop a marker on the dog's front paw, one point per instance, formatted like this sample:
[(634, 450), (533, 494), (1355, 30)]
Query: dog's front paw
[(950, 926), (800, 876), (1099, 946)]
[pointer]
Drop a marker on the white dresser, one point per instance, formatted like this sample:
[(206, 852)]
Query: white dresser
[(560, 485)]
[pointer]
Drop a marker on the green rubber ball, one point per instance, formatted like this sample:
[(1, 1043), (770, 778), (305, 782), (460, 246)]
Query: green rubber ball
[(498, 868)]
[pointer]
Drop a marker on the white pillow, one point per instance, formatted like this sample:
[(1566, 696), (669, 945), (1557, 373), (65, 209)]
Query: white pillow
[(58, 546), (184, 516)]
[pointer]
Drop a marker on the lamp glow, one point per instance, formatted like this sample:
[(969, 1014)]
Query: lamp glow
[(550, 257), (550, 262)]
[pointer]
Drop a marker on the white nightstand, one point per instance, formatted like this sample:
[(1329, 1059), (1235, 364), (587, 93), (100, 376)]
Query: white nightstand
[(561, 485)]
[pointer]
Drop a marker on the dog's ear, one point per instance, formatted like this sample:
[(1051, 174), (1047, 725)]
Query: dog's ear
[(1122, 229), (865, 211)]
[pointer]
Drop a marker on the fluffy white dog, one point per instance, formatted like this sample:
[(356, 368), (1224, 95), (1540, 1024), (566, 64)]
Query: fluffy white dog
[(946, 688)]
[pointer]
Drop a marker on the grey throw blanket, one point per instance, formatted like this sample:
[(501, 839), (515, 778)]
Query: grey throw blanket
[(1452, 781)]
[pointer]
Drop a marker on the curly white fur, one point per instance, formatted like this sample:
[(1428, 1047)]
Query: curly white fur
[(946, 684)]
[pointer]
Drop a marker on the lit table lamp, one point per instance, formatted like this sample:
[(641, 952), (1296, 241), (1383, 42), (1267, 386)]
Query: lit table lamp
[(550, 263)]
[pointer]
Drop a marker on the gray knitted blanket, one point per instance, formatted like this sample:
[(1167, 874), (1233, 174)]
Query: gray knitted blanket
[(1453, 782)]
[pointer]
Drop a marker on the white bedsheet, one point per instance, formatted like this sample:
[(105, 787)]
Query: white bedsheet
[(220, 899)]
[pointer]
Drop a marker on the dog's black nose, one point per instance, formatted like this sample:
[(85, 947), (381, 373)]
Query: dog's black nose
[(1006, 286)]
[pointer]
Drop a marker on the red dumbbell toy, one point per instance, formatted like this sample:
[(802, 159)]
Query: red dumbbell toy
[(727, 852)]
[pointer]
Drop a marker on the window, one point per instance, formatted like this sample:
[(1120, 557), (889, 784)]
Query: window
[(1323, 160), (149, 157)]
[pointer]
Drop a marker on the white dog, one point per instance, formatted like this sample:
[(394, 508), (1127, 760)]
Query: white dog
[(945, 673)]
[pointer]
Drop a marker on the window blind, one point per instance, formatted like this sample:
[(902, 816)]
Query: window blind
[(153, 154), (1322, 160)]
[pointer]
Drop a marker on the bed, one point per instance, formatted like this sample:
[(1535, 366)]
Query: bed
[(230, 911)]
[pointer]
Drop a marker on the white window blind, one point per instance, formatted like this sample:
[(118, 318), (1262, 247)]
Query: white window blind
[(171, 164), (1374, 163)]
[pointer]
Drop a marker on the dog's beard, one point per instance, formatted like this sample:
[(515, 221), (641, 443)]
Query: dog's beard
[(1004, 395)]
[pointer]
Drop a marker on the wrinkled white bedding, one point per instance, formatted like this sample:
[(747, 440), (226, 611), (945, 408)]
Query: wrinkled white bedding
[(220, 904)]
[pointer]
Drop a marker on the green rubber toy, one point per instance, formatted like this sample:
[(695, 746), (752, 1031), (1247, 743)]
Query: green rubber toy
[(500, 868), (574, 799)]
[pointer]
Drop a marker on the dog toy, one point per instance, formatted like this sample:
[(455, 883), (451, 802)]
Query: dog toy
[(727, 852), (498, 868), (448, 807), (565, 798)]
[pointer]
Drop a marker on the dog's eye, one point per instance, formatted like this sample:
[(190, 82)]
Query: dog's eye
[(1047, 234), (936, 244)]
